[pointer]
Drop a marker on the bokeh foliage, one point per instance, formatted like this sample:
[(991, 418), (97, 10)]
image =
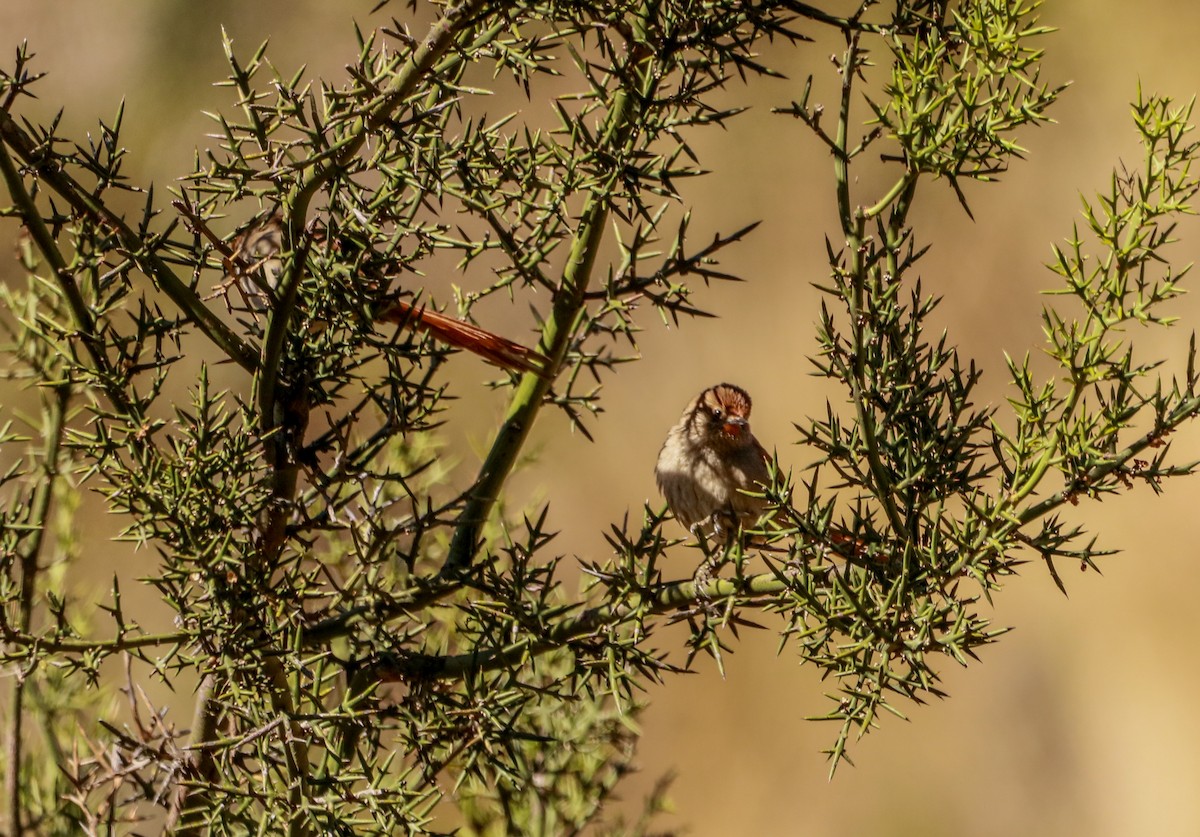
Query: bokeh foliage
[(376, 647)]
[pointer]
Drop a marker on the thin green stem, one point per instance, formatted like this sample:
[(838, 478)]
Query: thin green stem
[(53, 428), (294, 742), (191, 798), (854, 226), (402, 85), (903, 185), (89, 646), (841, 162), (557, 334), (661, 600), (271, 361), (1050, 451), (344, 623), (44, 240), (285, 422), (274, 420), (846, 24), (1186, 410), (443, 33), (81, 200), (1008, 523)]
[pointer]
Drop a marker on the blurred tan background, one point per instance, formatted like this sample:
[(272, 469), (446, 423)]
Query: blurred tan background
[(1082, 720)]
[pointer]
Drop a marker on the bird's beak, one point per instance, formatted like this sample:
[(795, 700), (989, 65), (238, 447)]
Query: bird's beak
[(735, 426)]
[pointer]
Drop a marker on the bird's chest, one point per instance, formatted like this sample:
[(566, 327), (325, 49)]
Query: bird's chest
[(724, 474)]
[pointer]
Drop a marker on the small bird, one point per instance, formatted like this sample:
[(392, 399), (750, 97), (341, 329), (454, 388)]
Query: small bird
[(708, 460), (253, 260)]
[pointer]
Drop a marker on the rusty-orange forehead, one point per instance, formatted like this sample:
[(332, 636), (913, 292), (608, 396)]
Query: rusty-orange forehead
[(730, 399)]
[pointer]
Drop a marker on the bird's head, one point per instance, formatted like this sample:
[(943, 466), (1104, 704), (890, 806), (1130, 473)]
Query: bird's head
[(722, 414)]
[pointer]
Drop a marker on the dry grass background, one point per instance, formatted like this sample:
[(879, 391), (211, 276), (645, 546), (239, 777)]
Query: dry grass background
[(1082, 720)]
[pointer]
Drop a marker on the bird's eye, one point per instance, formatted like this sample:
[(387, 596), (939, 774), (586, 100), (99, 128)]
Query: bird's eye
[(716, 411)]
